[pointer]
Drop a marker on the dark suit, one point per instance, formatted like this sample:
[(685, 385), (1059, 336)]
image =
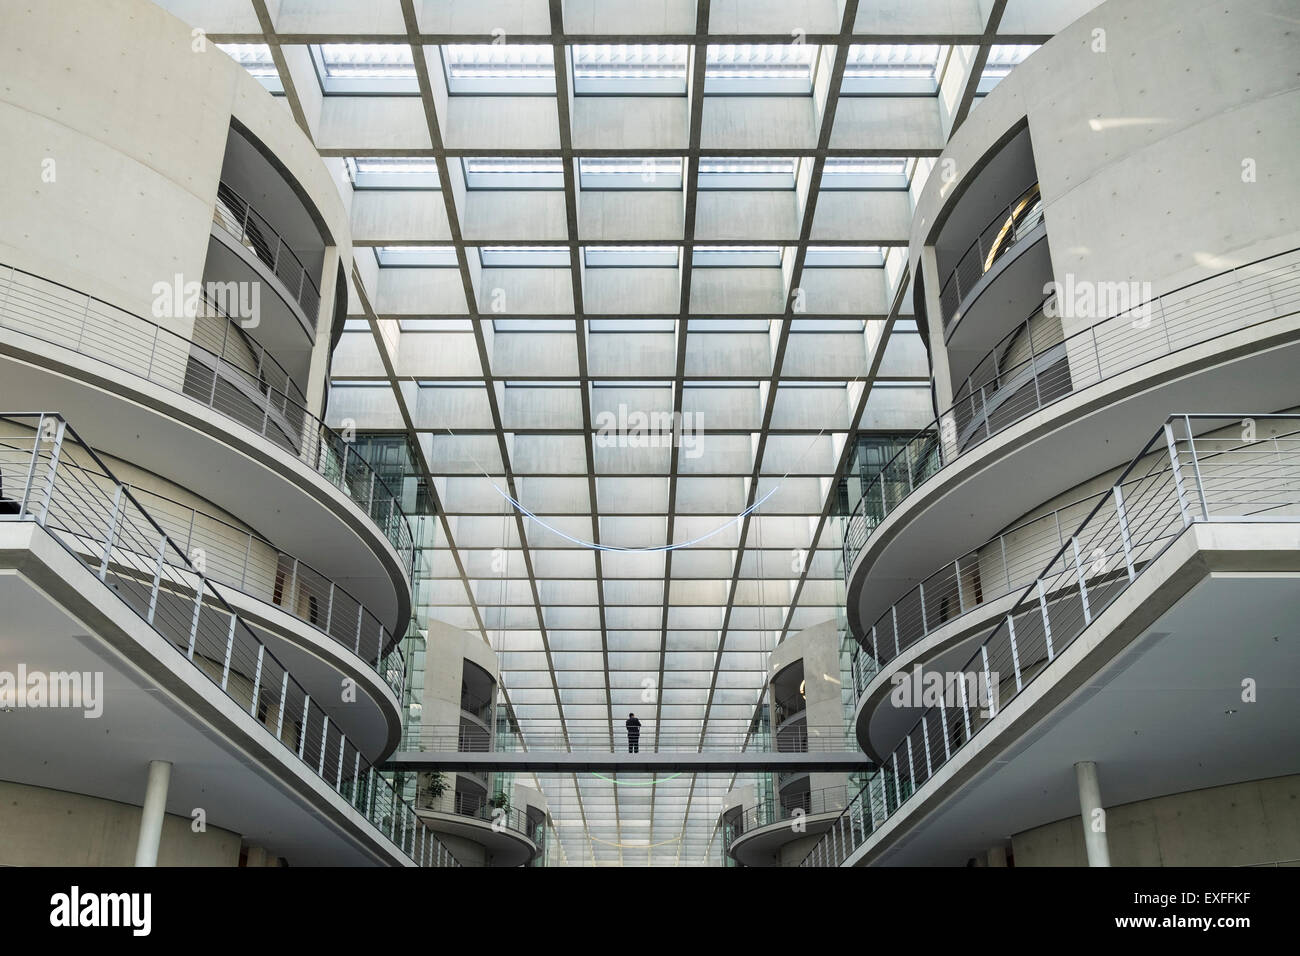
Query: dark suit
[(633, 735)]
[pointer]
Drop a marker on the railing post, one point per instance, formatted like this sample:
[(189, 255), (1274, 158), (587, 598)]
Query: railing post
[(961, 596), (907, 463), (1123, 532), (893, 611), (54, 467), (37, 438), (1015, 653), (324, 738), (338, 774), (1047, 621), (112, 532), (194, 621), (943, 723), (284, 699), (925, 620), (925, 739), (302, 734), (329, 609), (911, 769), (248, 554), (988, 681), (1178, 474), (965, 705), (157, 580), (1196, 467), (1083, 586), (361, 610), (356, 778), (230, 646), (257, 681)]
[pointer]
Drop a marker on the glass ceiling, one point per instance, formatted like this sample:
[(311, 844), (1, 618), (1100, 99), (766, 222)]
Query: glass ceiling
[(702, 221)]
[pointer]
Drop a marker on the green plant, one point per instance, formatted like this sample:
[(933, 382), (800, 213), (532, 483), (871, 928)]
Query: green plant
[(500, 801), (432, 786)]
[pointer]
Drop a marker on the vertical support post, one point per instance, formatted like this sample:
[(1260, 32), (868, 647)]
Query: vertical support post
[(988, 681), (1083, 587), (893, 612), (284, 698), (1196, 467), (1123, 532), (925, 623), (360, 614), (1047, 621), (961, 595), (1176, 471), (36, 452), (965, 705), (329, 609), (54, 467), (112, 532), (1015, 652), (194, 621), (925, 739), (230, 644), (943, 723), (157, 579), (257, 680), (324, 736), (152, 813), (302, 734), (1093, 814)]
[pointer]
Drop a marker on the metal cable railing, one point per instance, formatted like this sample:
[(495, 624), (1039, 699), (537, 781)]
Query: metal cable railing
[(479, 807), (249, 563), (1227, 472), (225, 383), (479, 707), (59, 482), (1207, 309), (995, 569), (596, 736), (239, 219), (790, 807), (1020, 217)]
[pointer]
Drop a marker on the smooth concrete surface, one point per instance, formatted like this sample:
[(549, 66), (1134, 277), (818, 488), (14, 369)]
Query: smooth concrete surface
[(1255, 823), (152, 813), (44, 827)]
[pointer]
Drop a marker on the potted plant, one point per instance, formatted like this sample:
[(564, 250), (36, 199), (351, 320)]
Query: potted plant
[(432, 786)]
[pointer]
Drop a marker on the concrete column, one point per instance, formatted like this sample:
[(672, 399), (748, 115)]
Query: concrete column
[(943, 389), (1094, 814), (256, 856), (152, 813), (997, 856)]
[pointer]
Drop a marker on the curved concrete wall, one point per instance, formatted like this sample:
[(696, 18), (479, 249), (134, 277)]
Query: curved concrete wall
[(43, 827)]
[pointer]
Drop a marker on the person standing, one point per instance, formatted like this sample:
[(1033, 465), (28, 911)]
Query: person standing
[(633, 734)]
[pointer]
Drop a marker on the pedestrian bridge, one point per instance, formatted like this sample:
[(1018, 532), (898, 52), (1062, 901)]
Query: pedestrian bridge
[(472, 747)]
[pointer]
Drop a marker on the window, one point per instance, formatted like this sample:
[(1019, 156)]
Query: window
[(760, 68), (650, 172), (629, 68), (867, 173), (257, 60), (741, 173), (892, 68), (487, 68), (395, 173), (365, 68), (513, 173)]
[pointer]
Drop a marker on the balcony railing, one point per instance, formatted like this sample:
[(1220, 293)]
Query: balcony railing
[(1208, 309), (786, 708), (596, 736), (999, 567), (1004, 230), (1183, 475), (479, 808), (252, 230), (790, 807), (251, 564), (478, 707), (55, 479), (226, 383)]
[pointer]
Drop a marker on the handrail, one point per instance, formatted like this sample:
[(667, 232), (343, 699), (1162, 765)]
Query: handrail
[(1004, 230), (481, 808), (68, 490), (54, 313), (237, 217), (1173, 482), (285, 581), (789, 807), (1198, 312), (980, 576), (595, 736), (479, 707)]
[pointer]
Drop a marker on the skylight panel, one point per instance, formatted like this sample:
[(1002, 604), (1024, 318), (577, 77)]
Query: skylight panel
[(521, 68), (649, 172), (514, 173), (365, 68), (832, 257), (841, 172), (536, 257), (746, 173), (435, 256), (257, 60), (892, 67), (367, 172), (772, 68), (629, 68), (747, 256), (627, 257)]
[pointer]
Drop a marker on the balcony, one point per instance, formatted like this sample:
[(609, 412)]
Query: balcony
[(57, 482), (1196, 470), (222, 368), (1004, 393)]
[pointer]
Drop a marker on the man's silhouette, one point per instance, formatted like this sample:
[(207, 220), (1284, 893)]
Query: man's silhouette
[(633, 734)]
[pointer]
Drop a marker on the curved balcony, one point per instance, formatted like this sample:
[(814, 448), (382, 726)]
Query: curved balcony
[(252, 565), (755, 834), (1182, 476), (222, 369), (507, 833), (57, 481), (236, 218), (1005, 231), (1051, 370)]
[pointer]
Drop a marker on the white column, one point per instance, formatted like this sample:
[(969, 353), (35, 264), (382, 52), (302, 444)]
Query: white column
[(997, 856), (1094, 814), (151, 814), (256, 856)]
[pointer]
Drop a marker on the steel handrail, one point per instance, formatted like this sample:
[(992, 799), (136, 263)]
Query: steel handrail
[(1130, 526), (174, 361), (937, 445), (105, 528), (289, 272), (594, 736)]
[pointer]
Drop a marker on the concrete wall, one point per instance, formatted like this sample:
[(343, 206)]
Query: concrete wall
[(1242, 824), (42, 827)]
